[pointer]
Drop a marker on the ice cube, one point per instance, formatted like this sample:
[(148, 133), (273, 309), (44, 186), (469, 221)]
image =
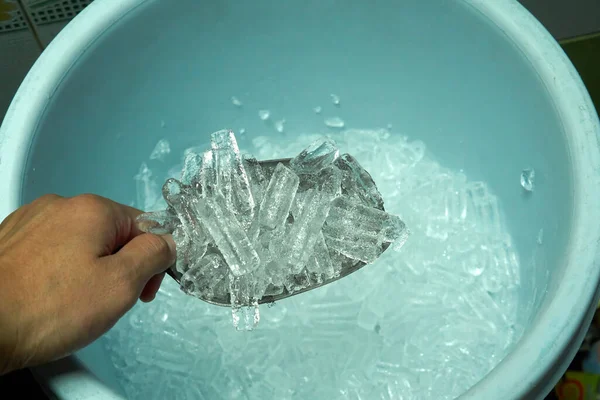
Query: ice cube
[(328, 180), (264, 114), (476, 192), (235, 101), (487, 214), (224, 139), (278, 198), (305, 231), (298, 281), (334, 122), (367, 319), (485, 308), (455, 204), (181, 199), (146, 188), (346, 215), (330, 317), (411, 154), (161, 150), (157, 222), (527, 179), (227, 234), (182, 245), (190, 174), (274, 289), (256, 177), (320, 262), (233, 184), (298, 204), (280, 125), (540, 237), (223, 166), (335, 99), (315, 157), (354, 246), (253, 231), (357, 182), (280, 380), (204, 275), (244, 303), (232, 179), (506, 263), (208, 173), (491, 282), (166, 359), (474, 262)]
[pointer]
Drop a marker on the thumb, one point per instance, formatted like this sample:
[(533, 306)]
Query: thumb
[(146, 255)]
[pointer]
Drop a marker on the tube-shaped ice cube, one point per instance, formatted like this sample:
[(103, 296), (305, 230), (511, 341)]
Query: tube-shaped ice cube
[(157, 222), (227, 234), (305, 231), (357, 231), (190, 173), (180, 199), (208, 174), (353, 245), (278, 198), (357, 182), (256, 177), (204, 275), (369, 221), (315, 157), (320, 262), (232, 178)]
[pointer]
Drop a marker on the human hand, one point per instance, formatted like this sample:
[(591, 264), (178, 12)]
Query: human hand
[(69, 269)]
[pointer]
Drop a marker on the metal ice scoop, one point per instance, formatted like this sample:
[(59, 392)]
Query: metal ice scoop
[(310, 282)]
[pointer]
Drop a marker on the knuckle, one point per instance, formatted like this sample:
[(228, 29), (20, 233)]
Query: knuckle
[(50, 197), (156, 245), (89, 199), (46, 199)]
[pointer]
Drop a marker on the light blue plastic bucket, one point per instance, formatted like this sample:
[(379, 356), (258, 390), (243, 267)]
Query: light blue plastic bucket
[(481, 82)]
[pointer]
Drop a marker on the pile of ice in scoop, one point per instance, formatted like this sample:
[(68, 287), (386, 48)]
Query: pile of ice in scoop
[(247, 230)]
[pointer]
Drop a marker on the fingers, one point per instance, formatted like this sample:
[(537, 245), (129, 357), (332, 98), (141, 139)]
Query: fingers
[(144, 256), (114, 223), (128, 212), (151, 288), (125, 222)]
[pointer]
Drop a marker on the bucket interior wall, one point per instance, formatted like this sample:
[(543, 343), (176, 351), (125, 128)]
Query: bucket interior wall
[(435, 70)]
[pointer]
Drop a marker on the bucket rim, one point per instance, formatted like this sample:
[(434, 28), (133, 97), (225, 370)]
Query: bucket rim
[(534, 365)]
